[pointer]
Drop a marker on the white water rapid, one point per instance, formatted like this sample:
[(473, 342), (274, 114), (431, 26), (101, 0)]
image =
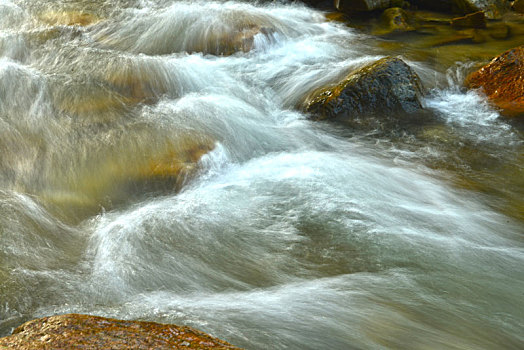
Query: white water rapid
[(277, 232)]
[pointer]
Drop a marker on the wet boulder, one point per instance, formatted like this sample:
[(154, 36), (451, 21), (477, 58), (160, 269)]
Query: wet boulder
[(502, 80), (386, 87), (93, 332)]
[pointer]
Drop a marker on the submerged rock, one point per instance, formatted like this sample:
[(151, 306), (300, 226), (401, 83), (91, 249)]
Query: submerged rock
[(395, 20), (229, 42), (503, 81), (499, 31), (69, 18), (384, 87), (93, 332)]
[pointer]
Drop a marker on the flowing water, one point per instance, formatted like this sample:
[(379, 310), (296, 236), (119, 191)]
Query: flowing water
[(155, 165)]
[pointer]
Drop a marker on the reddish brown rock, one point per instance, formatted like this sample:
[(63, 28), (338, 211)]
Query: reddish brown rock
[(503, 81), (93, 332)]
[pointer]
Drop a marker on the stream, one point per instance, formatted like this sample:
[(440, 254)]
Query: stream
[(155, 165)]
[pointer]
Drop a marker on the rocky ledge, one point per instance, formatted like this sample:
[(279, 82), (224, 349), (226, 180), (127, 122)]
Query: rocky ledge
[(74, 331)]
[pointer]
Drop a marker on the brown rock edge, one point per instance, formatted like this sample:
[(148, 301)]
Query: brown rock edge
[(503, 81), (75, 331)]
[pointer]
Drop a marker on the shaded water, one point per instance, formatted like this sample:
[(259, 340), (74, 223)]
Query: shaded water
[(155, 165)]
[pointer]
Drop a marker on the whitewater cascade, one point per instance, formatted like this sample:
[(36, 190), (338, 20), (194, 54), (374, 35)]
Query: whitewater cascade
[(155, 165)]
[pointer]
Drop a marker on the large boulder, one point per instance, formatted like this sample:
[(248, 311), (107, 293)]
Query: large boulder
[(93, 332), (503, 81), (386, 87)]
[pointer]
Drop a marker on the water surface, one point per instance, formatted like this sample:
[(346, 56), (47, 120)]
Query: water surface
[(155, 165)]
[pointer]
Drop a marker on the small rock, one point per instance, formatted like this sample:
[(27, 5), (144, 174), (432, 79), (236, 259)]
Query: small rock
[(207, 343), (395, 20), (45, 338)]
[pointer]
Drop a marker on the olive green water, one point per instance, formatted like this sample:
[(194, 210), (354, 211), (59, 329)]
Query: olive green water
[(155, 165)]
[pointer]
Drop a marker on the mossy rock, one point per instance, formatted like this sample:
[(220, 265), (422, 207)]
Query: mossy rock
[(386, 87), (395, 20)]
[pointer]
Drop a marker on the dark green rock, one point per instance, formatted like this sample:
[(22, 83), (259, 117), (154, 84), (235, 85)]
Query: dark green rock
[(386, 87)]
